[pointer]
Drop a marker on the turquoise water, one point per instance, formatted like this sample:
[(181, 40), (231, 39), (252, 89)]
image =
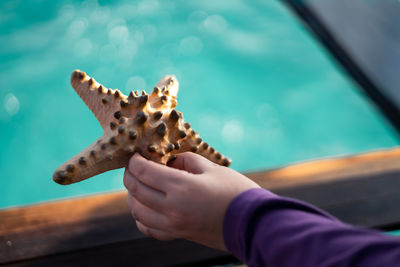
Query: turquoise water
[(254, 83), (395, 233)]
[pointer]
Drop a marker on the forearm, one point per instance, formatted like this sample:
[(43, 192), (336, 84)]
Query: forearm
[(263, 229)]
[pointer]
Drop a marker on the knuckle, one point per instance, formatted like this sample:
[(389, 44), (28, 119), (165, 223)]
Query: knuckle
[(139, 171), (133, 188), (126, 179), (130, 184)]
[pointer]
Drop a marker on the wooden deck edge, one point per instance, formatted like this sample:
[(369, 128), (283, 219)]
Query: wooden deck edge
[(329, 169), (360, 189)]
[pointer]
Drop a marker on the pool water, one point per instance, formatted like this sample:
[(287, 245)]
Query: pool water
[(254, 84), (394, 233)]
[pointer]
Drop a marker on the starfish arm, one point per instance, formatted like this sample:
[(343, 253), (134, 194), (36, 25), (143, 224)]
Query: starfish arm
[(169, 83), (194, 143), (93, 160), (102, 102)]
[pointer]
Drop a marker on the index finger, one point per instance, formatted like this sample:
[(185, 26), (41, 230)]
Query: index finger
[(154, 174)]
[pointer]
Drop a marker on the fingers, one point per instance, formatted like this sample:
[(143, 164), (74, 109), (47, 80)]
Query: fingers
[(146, 215), (154, 233), (143, 193), (154, 175), (191, 162)]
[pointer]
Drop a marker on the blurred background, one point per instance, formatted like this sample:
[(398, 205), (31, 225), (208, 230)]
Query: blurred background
[(253, 82)]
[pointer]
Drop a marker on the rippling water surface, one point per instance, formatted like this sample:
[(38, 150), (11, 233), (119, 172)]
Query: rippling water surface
[(253, 83)]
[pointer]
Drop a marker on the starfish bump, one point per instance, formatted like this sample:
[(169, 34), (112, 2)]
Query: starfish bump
[(148, 124)]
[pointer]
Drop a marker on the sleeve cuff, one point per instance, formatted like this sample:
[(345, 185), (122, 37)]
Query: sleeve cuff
[(235, 219)]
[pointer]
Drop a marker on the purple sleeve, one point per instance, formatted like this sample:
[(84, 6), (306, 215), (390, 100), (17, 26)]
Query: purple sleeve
[(263, 229)]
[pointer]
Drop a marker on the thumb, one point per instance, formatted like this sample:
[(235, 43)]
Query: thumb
[(191, 162)]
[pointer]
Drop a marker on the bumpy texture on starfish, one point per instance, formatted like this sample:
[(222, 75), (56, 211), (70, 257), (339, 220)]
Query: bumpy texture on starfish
[(147, 124)]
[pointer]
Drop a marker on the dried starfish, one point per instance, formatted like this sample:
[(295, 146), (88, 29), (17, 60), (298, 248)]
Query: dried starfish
[(147, 124)]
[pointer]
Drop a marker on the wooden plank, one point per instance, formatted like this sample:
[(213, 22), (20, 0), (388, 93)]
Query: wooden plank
[(330, 169), (136, 252), (59, 212), (57, 233), (359, 189)]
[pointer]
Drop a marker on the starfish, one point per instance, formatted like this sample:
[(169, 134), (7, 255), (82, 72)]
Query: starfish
[(147, 124)]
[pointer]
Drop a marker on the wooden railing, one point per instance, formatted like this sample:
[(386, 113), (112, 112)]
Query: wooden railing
[(99, 230)]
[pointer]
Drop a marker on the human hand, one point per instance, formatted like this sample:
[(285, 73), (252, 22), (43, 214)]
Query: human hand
[(187, 200)]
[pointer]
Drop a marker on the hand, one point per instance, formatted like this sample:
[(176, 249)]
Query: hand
[(187, 200)]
